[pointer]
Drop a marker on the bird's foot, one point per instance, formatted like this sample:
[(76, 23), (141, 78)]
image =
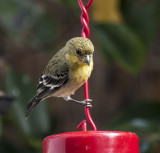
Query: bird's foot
[(85, 102)]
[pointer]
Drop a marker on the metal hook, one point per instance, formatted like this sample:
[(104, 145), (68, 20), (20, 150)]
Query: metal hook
[(85, 33)]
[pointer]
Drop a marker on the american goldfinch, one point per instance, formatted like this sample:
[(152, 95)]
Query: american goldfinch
[(68, 70)]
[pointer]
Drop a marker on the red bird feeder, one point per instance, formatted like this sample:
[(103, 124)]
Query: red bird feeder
[(90, 141)]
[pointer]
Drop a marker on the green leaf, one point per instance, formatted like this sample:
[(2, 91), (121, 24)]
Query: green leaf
[(23, 89), (121, 45), (143, 17)]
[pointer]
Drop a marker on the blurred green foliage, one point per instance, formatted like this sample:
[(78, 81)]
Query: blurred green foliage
[(143, 18), (21, 87), (34, 129), (27, 22), (70, 3), (0, 126), (30, 24), (128, 43), (142, 119), (122, 45)]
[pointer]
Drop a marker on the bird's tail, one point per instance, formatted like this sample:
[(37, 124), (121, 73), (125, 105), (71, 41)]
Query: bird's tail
[(32, 104)]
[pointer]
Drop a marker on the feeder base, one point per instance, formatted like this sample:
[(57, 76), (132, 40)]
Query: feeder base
[(92, 142)]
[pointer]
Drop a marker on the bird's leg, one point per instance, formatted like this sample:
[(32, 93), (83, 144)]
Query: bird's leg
[(83, 102)]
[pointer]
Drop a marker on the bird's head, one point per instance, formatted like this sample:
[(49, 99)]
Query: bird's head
[(80, 50)]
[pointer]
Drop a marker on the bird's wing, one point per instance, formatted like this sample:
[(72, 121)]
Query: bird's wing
[(50, 82), (53, 77)]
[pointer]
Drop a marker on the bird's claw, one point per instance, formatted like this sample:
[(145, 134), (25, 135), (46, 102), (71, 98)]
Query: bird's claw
[(86, 103)]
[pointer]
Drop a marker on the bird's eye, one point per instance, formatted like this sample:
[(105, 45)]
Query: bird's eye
[(78, 52)]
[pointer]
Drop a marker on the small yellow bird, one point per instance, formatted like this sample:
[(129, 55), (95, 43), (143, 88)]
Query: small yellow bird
[(68, 70)]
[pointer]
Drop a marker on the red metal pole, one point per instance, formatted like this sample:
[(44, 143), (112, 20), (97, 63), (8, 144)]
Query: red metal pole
[(85, 33)]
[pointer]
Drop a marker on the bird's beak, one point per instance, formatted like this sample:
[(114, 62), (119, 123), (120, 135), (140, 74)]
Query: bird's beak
[(87, 60)]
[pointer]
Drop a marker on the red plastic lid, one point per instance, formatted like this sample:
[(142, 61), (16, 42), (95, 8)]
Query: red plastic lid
[(92, 142)]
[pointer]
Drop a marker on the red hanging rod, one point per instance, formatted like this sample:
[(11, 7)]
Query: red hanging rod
[(85, 33)]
